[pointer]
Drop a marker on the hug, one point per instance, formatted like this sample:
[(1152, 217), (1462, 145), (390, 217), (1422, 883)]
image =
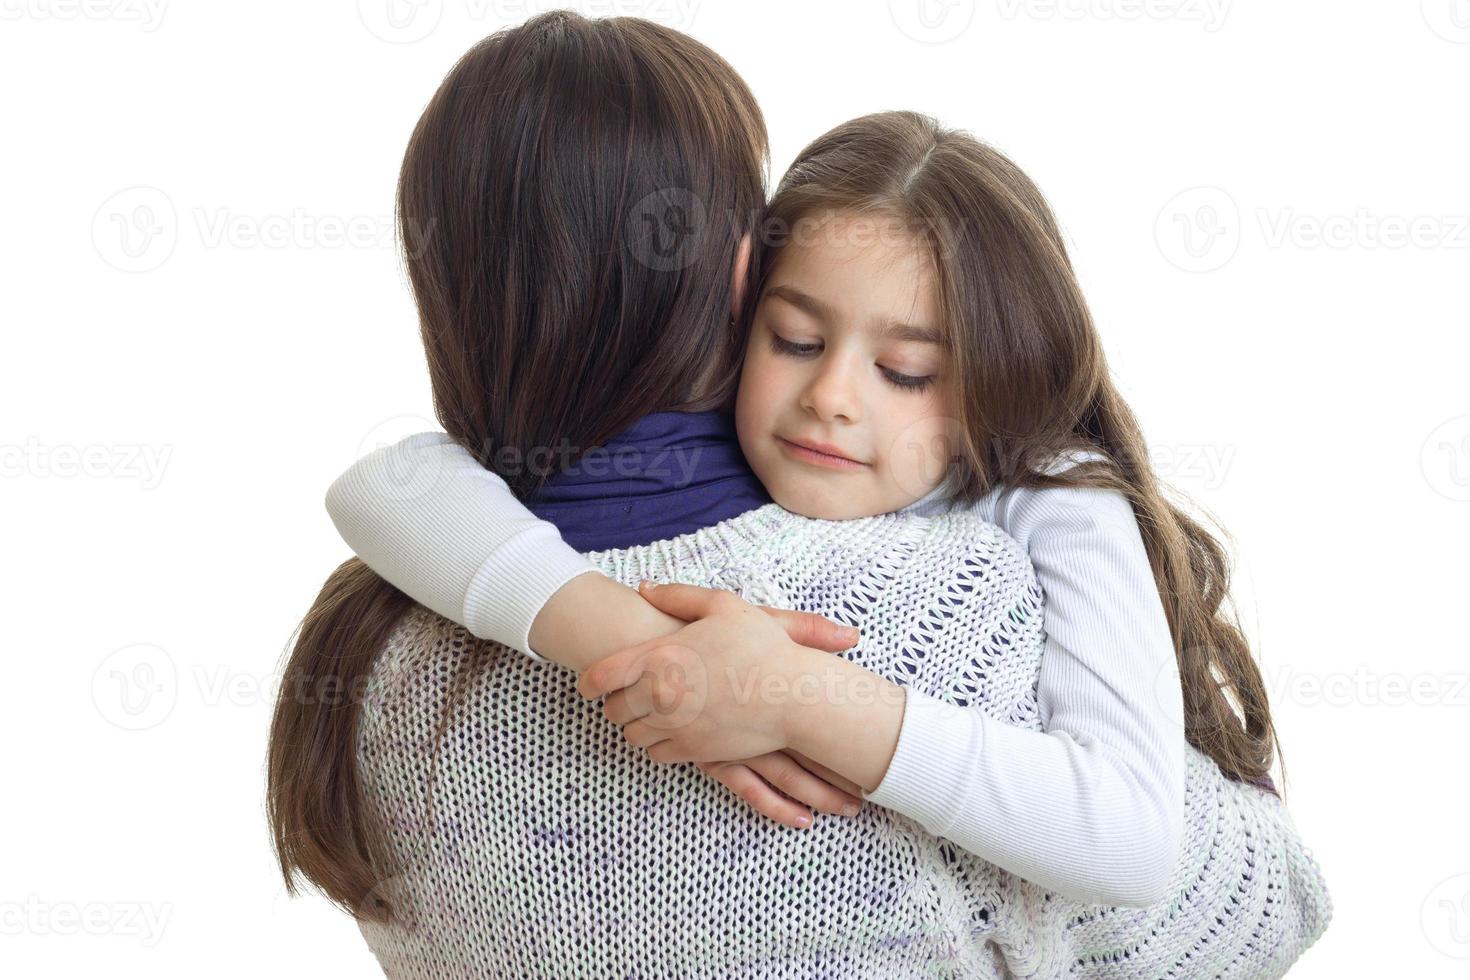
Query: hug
[(905, 480)]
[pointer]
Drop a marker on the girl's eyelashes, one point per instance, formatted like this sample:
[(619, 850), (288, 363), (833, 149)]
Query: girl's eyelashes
[(905, 382), (781, 345)]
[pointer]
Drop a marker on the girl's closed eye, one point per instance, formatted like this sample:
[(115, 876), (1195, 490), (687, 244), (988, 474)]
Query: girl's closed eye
[(791, 348), (906, 382)]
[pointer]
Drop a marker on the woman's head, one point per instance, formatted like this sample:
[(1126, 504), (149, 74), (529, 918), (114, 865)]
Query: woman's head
[(916, 312), (572, 205), (573, 200)]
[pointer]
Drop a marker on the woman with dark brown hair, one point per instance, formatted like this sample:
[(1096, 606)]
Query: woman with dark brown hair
[(564, 311)]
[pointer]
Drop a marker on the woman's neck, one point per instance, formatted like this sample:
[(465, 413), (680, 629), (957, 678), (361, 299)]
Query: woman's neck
[(667, 474)]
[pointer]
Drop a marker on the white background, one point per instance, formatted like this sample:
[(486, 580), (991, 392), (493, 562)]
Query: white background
[(1267, 205)]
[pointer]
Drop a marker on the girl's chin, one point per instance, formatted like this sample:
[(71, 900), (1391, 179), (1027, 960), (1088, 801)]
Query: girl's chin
[(826, 504)]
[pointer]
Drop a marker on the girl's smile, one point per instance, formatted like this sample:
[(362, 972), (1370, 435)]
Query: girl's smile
[(818, 454)]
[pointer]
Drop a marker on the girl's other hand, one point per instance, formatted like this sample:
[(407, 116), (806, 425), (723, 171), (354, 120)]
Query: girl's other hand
[(762, 781), (776, 783), (722, 688)]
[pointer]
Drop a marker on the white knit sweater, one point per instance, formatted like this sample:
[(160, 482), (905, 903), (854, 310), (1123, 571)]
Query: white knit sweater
[(1089, 807), (556, 849)]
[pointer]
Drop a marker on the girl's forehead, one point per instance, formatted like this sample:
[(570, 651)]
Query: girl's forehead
[(857, 246), (842, 278)]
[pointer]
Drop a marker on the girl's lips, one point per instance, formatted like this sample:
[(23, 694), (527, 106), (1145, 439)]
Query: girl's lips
[(817, 457)]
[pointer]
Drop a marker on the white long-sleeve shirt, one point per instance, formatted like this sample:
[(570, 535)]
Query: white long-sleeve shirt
[(1091, 807)]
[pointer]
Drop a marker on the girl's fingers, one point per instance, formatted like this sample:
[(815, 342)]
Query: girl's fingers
[(617, 708), (835, 778), (810, 630), (792, 778), (643, 735), (744, 783), (668, 751), (689, 602), (613, 672), (629, 703)]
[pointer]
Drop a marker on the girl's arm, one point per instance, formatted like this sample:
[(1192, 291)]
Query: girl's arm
[(428, 518), (425, 515), (1093, 806), (433, 522)]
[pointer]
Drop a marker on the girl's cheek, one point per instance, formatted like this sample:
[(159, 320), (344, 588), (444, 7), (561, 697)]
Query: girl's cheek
[(762, 372)]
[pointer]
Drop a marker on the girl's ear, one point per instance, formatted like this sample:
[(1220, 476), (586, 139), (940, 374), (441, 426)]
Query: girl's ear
[(737, 276)]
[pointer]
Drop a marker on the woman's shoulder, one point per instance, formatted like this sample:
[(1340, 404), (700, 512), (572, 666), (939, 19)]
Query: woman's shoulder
[(421, 654), (967, 538)]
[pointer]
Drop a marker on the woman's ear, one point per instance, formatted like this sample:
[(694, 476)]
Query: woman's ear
[(737, 276)]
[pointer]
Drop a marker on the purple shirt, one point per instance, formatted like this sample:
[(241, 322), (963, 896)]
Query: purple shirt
[(667, 474)]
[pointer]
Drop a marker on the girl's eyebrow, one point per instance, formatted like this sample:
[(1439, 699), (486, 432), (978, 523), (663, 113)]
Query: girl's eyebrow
[(894, 330), (887, 330), (809, 305)]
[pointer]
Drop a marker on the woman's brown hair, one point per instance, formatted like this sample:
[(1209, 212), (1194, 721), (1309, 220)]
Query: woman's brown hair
[(1033, 380), (570, 206)]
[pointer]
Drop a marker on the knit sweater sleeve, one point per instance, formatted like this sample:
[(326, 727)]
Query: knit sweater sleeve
[(426, 516), (1092, 807)]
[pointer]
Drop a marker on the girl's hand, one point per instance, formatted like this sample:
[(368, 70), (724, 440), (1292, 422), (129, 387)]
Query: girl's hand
[(720, 689), (763, 780)]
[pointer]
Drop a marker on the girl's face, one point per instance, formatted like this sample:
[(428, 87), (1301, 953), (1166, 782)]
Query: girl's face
[(846, 357)]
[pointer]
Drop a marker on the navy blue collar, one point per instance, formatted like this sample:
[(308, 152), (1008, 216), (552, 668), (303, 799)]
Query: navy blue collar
[(667, 474)]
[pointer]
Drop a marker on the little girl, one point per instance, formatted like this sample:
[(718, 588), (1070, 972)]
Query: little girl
[(918, 342)]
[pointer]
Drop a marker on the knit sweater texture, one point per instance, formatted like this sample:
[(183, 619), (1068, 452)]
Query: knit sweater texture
[(547, 846)]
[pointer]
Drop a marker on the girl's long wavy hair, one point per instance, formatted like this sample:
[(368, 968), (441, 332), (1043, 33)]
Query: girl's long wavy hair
[(570, 206), (1033, 380)]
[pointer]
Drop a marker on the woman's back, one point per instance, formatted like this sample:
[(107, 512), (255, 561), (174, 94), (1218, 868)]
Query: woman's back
[(556, 848)]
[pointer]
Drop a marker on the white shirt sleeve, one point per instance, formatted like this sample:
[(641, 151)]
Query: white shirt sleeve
[(1092, 807), (426, 516)]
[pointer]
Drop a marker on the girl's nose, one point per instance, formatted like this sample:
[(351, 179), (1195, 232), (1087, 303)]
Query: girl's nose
[(832, 396)]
